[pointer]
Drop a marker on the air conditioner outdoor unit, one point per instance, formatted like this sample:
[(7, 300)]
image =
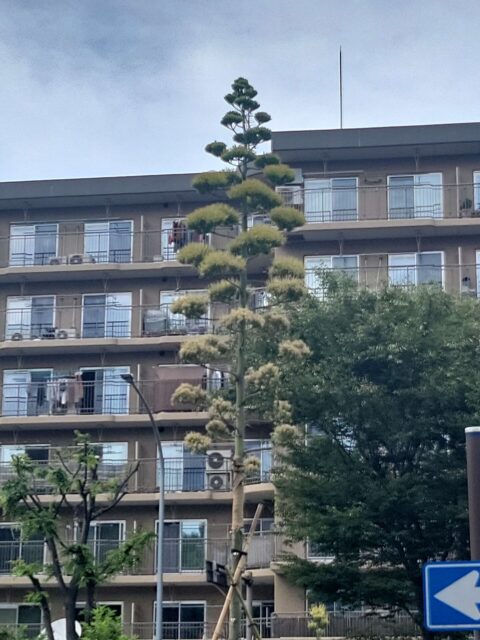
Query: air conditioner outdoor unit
[(218, 459), (58, 260), (65, 334), (258, 218), (218, 481), (218, 469), (48, 333), (78, 258)]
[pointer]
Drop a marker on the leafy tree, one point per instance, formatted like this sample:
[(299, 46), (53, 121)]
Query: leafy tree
[(105, 624), (379, 481), (41, 499), (245, 188)]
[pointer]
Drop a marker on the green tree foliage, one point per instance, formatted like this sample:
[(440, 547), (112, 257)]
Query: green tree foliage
[(379, 483), (245, 189), (42, 500), (104, 625)]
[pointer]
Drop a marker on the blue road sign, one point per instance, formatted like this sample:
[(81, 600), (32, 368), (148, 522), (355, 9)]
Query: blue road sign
[(452, 596)]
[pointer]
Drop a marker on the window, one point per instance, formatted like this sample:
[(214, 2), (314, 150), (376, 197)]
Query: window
[(184, 546), (331, 199), (32, 244), (107, 316), (104, 391), (408, 269), (316, 266), (13, 548), (116, 607), (476, 190), (109, 241), (113, 459), (262, 614), (182, 620), (25, 392), (264, 525), (315, 551), (415, 196), (261, 449), (30, 317), (184, 470), (105, 537), (176, 322), (27, 616), (37, 452)]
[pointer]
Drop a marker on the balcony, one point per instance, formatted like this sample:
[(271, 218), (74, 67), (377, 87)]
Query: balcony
[(342, 624), (85, 397), (180, 555), (54, 251), (42, 324), (191, 474), (399, 270), (381, 209), (346, 624)]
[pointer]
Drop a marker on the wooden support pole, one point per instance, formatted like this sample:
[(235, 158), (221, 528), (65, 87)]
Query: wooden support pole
[(237, 575)]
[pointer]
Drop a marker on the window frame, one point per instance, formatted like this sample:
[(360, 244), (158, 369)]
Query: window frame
[(15, 526), (327, 215), (30, 307), (416, 267), (180, 540), (106, 306), (109, 232), (319, 291), (415, 187)]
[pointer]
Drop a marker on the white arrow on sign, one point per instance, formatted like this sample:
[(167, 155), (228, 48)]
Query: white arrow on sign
[(463, 595)]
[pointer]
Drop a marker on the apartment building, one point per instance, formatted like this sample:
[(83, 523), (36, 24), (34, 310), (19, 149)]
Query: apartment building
[(88, 274)]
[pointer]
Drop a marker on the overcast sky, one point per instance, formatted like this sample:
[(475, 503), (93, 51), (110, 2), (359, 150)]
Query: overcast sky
[(123, 87)]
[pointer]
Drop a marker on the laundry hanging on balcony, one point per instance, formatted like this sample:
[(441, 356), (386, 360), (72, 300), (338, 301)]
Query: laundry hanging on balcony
[(178, 235)]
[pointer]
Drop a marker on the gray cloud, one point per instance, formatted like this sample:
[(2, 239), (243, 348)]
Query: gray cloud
[(116, 87)]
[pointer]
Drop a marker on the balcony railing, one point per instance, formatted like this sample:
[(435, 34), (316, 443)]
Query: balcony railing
[(31, 551), (457, 279), (381, 201), (264, 549), (346, 624), (70, 395), (187, 475), (97, 321), (180, 555), (58, 246)]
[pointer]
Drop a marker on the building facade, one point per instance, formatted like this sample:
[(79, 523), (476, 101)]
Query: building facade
[(88, 273)]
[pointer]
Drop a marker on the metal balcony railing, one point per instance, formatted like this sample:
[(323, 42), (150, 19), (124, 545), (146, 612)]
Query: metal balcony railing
[(31, 551), (58, 394), (182, 475), (344, 202), (180, 555), (456, 279), (264, 549), (346, 624), (171, 630), (55, 321), (54, 244)]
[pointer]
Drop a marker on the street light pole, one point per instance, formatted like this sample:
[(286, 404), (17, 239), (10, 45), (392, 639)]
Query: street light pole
[(161, 507), (472, 438)]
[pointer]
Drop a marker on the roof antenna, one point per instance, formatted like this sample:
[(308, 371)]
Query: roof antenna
[(341, 89)]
